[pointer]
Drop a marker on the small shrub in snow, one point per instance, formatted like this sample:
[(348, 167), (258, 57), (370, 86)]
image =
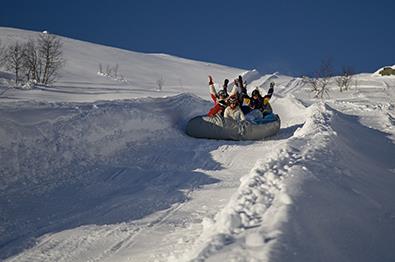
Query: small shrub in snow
[(387, 71), (115, 70), (111, 72), (344, 81), (30, 84), (1, 55), (160, 82), (320, 82)]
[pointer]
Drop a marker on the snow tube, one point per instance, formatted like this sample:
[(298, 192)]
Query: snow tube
[(229, 129)]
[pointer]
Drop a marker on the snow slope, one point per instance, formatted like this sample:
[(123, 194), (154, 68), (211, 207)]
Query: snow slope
[(83, 179), (79, 79)]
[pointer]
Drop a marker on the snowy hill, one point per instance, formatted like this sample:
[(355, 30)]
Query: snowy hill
[(83, 179), (140, 72)]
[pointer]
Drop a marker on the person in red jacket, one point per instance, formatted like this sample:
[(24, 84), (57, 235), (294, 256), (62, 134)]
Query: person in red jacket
[(218, 99)]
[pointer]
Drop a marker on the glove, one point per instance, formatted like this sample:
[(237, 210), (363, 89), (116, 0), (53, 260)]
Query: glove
[(270, 92), (210, 80)]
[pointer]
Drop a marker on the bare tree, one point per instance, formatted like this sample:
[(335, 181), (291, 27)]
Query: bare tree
[(51, 57), (160, 82), (2, 55), (116, 70), (108, 70), (345, 79), (111, 72), (14, 60), (38, 60), (32, 62), (356, 83), (319, 83)]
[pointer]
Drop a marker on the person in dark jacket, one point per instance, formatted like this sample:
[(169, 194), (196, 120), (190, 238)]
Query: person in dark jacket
[(256, 101), (262, 103), (266, 107)]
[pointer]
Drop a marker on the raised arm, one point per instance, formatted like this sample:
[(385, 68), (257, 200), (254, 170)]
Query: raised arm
[(213, 92), (271, 90)]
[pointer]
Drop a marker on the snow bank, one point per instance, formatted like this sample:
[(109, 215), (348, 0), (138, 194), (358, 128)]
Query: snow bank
[(59, 140), (290, 109), (70, 164), (251, 75), (261, 202), (344, 210), (330, 183)]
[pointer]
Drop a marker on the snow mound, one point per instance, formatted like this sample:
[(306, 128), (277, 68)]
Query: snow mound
[(250, 76), (290, 196), (261, 202), (351, 174), (73, 156), (40, 140)]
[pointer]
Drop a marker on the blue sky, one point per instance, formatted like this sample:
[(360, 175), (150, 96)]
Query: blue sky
[(292, 37)]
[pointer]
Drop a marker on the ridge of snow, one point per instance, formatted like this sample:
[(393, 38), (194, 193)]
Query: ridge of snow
[(261, 201), (95, 131)]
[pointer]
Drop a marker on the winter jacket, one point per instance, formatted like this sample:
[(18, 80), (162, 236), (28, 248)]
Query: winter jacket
[(262, 103), (256, 103), (236, 91), (219, 105), (217, 108), (266, 107), (235, 114)]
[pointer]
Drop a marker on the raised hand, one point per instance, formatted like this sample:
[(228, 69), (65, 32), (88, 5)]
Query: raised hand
[(210, 80)]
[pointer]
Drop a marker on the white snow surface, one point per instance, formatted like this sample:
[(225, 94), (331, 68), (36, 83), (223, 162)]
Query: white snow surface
[(98, 169)]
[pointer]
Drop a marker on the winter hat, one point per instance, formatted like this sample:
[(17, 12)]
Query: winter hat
[(210, 80), (255, 93), (222, 103), (222, 93), (233, 100)]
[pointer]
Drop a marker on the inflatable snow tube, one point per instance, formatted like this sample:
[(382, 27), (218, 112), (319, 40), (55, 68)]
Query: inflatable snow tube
[(228, 129)]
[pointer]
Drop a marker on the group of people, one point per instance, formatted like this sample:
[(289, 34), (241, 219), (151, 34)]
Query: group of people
[(237, 104)]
